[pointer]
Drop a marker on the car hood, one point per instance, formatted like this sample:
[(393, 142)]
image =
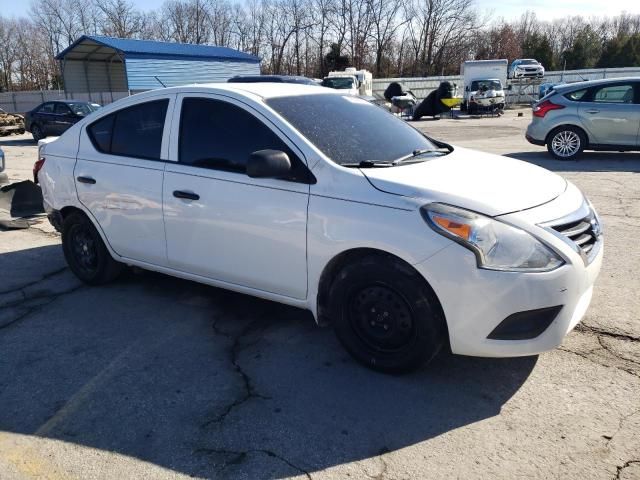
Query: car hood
[(486, 183)]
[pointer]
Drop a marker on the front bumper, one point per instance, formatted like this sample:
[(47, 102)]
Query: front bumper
[(475, 301), (525, 74)]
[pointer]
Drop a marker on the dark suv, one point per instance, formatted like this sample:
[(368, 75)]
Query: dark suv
[(54, 118)]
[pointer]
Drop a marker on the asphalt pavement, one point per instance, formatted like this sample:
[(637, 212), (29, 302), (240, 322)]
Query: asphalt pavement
[(156, 377)]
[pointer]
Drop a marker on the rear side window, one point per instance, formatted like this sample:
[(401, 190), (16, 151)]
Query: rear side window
[(131, 132), (614, 94), (100, 133), (219, 135), (46, 108), (576, 95)]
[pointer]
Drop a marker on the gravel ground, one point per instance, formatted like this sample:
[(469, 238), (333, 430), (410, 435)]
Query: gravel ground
[(155, 377)]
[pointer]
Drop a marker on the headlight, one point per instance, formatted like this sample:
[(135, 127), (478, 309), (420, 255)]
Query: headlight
[(497, 246)]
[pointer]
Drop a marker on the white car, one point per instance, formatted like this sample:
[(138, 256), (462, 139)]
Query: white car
[(324, 201), (525, 68)]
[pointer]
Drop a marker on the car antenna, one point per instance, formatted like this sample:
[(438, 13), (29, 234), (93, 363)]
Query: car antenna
[(160, 81)]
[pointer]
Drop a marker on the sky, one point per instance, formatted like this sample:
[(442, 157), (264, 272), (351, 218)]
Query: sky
[(509, 9)]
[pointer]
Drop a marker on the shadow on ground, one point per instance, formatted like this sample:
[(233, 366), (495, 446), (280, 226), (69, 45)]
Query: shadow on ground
[(216, 384), (16, 142), (588, 161)]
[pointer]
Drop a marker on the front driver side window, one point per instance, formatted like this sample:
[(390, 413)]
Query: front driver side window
[(219, 135)]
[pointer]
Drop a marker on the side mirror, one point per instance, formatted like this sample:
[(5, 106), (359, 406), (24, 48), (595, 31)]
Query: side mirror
[(268, 164), (466, 89)]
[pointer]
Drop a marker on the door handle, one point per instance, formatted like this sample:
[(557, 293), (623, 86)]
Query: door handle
[(593, 111), (186, 195), (86, 180)]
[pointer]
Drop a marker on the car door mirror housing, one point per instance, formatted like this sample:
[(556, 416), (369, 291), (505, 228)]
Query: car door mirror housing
[(268, 164)]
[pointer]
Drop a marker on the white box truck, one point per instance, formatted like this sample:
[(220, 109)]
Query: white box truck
[(483, 82)]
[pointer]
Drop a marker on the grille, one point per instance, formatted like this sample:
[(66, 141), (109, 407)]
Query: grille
[(584, 233)]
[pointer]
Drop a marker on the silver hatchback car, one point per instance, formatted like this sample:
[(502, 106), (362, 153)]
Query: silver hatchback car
[(593, 115)]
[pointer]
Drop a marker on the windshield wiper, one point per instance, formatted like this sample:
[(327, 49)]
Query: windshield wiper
[(367, 164), (419, 153)]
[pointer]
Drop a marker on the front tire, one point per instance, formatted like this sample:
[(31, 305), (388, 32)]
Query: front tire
[(566, 143), (385, 315), (85, 252)]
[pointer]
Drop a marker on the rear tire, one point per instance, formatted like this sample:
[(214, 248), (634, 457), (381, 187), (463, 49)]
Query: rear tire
[(85, 252), (37, 132), (566, 143), (385, 315)]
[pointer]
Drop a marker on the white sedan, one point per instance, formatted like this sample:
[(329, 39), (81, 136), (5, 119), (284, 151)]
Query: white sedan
[(324, 201)]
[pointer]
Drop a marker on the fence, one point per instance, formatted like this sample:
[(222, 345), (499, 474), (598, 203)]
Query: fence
[(20, 102), (520, 92)]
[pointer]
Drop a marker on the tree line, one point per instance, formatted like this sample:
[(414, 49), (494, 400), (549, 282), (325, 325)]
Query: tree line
[(392, 38)]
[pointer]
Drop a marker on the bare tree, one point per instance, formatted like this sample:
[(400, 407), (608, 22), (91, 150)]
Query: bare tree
[(121, 19), (8, 51), (385, 22)]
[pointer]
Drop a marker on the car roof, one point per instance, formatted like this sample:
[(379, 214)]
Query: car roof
[(263, 90), (74, 101), (593, 83), (66, 101), (271, 78)]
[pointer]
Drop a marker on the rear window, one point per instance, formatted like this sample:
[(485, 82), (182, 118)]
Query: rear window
[(338, 83), (131, 132), (576, 95), (348, 129)]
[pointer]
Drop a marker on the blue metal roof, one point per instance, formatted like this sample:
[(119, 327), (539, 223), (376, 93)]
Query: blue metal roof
[(153, 49)]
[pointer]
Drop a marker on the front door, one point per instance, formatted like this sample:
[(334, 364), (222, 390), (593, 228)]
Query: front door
[(222, 224), (119, 176), (611, 114)]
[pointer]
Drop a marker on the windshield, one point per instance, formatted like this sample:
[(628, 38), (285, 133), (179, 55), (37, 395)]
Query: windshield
[(485, 85), (348, 129), (83, 109), (528, 62), (338, 83)]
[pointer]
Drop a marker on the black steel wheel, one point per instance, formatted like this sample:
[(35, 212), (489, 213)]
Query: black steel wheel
[(385, 314), (85, 252), (382, 318)]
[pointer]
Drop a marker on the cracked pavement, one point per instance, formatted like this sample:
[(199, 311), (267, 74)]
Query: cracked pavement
[(155, 377)]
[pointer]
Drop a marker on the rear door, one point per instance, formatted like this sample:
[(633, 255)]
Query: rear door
[(119, 176), (611, 114), (63, 119), (45, 118)]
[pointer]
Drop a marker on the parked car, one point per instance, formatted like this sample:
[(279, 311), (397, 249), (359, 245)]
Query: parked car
[(593, 115), (402, 243), (525, 68), (272, 79), (54, 118)]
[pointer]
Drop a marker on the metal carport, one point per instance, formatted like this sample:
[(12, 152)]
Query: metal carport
[(111, 66)]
